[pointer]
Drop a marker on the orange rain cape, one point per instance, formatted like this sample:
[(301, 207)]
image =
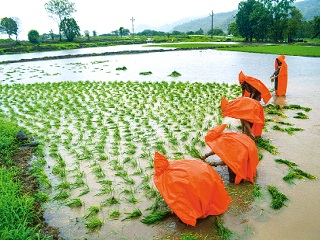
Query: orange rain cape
[(257, 84), (191, 188), (247, 109), (282, 77), (236, 150)]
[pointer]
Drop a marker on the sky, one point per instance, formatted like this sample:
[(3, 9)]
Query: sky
[(106, 16)]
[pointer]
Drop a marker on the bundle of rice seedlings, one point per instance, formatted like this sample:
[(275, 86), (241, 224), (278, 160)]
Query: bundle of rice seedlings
[(278, 198)]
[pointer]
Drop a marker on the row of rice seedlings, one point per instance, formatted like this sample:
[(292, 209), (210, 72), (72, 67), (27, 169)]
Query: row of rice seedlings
[(126, 120)]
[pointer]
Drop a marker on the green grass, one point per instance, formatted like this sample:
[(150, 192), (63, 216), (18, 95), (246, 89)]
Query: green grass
[(17, 211), (286, 49)]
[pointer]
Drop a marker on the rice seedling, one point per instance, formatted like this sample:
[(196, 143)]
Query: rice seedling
[(145, 73), (75, 202), (286, 162), (295, 173), (84, 191), (63, 195), (155, 217), (93, 210), (133, 215), (278, 198), (256, 191), (132, 199), (301, 115), (110, 201), (115, 214), (266, 145), (94, 223), (289, 130), (193, 151), (296, 106), (223, 231)]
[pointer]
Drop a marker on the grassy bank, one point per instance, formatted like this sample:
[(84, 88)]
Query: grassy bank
[(20, 213), (286, 49)]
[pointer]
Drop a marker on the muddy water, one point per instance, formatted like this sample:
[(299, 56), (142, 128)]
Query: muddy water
[(298, 220)]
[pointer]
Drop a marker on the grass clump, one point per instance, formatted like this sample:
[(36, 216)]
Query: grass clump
[(175, 74), (17, 211), (278, 198), (121, 68), (145, 73)]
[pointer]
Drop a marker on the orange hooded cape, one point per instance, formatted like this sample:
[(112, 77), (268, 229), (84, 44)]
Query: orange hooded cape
[(236, 150), (247, 109), (257, 84), (282, 77), (191, 188)]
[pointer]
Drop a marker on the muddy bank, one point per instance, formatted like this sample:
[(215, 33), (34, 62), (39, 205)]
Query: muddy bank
[(89, 55)]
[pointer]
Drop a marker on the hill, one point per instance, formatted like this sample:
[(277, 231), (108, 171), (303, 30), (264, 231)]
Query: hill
[(308, 8), (220, 20)]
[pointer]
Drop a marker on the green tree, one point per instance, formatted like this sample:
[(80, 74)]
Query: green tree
[(315, 25), (295, 22), (216, 32), (121, 29), (244, 25), (33, 36), (233, 29), (9, 26), (70, 28), (261, 21), (59, 10), (87, 34), (280, 10)]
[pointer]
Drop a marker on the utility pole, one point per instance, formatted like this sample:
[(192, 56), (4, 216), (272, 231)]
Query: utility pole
[(132, 20), (211, 24)]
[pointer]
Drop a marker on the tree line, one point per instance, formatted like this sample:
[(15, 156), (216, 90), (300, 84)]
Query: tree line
[(272, 20), (259, 20)]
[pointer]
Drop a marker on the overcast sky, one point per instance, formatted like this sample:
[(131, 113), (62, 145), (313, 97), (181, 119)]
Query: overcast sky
[(106, 16)]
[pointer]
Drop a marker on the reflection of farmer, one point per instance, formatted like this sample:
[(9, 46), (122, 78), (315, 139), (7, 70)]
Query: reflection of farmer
[(249, 111), (254, 88), (236, 150), (280, 76)]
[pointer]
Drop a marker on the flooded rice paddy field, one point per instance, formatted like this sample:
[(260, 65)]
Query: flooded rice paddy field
[(99, 128)]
